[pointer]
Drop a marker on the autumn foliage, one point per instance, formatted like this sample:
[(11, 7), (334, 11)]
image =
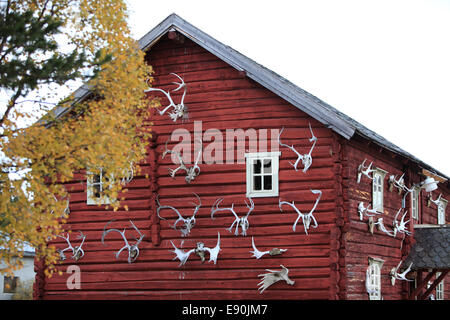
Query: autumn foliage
[(104, 130)]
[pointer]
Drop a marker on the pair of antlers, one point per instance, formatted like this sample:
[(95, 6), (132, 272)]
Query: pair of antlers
[(306, 218), (306, 159), (77, 251), (133, 250), (200, 251), (188, 223), (366, 171), (238, 221), (191, 172), (179, 110)]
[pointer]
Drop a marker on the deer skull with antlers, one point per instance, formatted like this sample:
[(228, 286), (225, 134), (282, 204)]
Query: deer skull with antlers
[(306, 218), (238, 221), (397, 183), (191, 172), (258, 254), (188, 223), (305, 158), (133, 250), (200, 251), (179, 110), (77, 251)]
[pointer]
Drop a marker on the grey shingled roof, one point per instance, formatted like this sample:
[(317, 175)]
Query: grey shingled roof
[(308, 103), (432, 248)]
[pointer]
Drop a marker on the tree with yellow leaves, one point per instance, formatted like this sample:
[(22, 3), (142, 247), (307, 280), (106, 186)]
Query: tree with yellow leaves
[(46, 45)]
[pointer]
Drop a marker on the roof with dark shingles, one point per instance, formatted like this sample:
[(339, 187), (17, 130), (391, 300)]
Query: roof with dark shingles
[(431, 250)]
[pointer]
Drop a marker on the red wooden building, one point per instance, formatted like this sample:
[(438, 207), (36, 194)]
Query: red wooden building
[(346, 253)]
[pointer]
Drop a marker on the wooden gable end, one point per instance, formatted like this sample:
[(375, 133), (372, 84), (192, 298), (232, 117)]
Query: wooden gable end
[(221, 98)]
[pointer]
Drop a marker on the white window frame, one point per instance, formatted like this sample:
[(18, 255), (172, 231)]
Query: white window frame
[(90, 199), (275, 159), (378, 189), (441, 211), (440, 289), (415, 203), (374, 271)]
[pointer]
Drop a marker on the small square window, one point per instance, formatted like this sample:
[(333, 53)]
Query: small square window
[(262, 174), (10, 284)]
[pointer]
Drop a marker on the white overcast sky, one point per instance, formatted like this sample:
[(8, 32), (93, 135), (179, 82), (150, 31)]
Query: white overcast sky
[(384, 63)]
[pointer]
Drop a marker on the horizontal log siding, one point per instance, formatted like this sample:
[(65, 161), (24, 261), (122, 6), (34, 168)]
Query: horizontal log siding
[(359, 242), (221, 98)]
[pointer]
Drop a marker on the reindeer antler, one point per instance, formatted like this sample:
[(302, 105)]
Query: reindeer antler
[(400, 226), (77, 251), (200, 250), (191, 172), (240, 222), (133, 250), (189, 223), (306, 218), (179, 110), (258, 254), (305, 158), (362, 170), (363, 211), (274, 276)]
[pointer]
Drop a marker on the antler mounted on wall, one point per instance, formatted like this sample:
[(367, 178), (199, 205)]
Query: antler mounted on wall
[(305, 158), (366, 171), (274, 276), (397, 183), (382, 228), (363, 211), (399, 276), (77, 251), (400, 226), (238, 221), (188, 223), (191, 172), (128, 175), (306, 218), (430, 200), (258, 254), (66, 209), (179, 110), (133, 250), (200, 251)]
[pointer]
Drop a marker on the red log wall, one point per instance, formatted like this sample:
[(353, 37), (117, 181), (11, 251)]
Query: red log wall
[(222, 98), (329, 263), (359, 242)]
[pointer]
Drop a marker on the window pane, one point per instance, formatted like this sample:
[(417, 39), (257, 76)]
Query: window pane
[(97, 190), (97, 179), (9, 284), (257, 183), (267, 182), (267, 166), (257, 166)]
